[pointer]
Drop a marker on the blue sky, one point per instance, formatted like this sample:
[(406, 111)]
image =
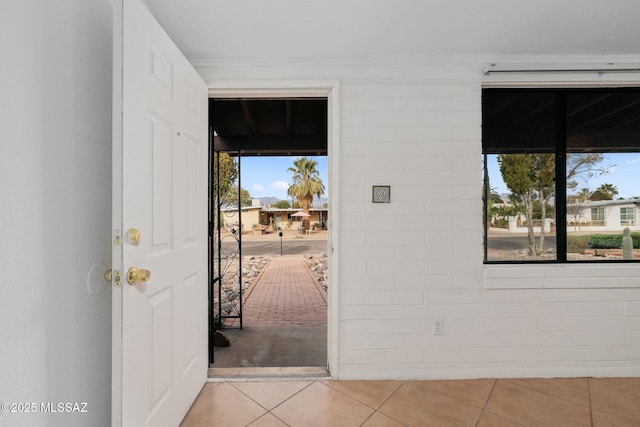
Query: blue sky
[(624, 174), (266, 176)]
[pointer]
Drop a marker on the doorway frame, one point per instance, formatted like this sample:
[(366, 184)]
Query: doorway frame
[(329, 89)]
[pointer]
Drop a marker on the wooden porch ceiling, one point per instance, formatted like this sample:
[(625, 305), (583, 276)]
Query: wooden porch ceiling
[(602, 120), (270, 127)]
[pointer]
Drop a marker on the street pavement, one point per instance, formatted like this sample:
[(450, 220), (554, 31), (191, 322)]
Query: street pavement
[(271, 244), (316, 243), (512, 242)]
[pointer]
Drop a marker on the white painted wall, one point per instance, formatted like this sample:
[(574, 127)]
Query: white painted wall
[(414, 123), (55, 173)]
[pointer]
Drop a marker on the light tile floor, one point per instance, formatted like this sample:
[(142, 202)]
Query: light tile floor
[(481, 402)]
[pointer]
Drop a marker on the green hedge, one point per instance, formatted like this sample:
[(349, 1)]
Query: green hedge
[(610, 241)]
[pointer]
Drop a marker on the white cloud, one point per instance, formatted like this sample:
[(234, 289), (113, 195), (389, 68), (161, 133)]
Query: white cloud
[(280, 185), (257, 187), (633, 161)]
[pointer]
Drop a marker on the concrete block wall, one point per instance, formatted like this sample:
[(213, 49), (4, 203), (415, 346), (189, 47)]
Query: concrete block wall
[(419, 258), (425, 247)]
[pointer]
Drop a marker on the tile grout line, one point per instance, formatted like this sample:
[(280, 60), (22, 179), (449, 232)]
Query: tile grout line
[(484, 407), (386, 400), (533, 390), (548, 394), (287, 399), (607, 411), (609, 381), (354, 395), (248, 397), (268, 411), (375, 410), (590, 403)]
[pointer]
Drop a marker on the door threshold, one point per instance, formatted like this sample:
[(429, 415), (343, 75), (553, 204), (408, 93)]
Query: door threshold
[(266, 374)]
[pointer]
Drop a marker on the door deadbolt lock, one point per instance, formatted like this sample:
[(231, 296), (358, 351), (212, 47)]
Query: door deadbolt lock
[(138, 275), (134, 235), (112, 277)]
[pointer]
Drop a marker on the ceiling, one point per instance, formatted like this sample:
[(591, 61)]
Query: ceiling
[(358, 30), (214, 29)]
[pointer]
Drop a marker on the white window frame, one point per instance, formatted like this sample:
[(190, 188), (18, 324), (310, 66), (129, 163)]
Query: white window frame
[(599, 210), (630, 215)]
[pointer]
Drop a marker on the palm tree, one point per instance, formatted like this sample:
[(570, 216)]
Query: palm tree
[(605, 192), (609, 189), (306, 183), (584, 195)]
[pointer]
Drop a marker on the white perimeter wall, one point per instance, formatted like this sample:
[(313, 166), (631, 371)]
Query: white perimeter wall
[(414, 123), (55, 172)]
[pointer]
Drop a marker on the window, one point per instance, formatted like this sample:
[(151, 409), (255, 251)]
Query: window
[(555, 162), (627, 216), (597, 216)]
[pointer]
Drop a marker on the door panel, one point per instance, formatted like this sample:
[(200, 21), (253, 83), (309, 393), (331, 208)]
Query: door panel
[(160, 189)]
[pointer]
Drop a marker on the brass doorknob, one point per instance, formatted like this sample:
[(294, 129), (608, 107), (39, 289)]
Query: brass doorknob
[(138, 275), (134, 236)]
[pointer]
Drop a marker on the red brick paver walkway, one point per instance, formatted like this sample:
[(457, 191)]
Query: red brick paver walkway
[(285, 294)]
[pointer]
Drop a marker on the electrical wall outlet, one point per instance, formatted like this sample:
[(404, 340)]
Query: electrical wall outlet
[(438, 326)]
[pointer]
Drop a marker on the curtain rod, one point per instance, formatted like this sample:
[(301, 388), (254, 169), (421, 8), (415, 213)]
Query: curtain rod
[(559, 69)]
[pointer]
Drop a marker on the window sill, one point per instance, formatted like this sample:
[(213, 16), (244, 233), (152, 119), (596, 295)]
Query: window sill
[(562, 276)]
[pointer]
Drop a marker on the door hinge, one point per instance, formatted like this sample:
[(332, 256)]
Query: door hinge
[(117, 238)]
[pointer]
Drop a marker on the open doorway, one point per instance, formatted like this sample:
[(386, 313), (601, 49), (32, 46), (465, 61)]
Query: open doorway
[(245, 235)]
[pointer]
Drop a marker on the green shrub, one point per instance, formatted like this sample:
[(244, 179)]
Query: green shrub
[(501, 223), (611, 241), (605, 241), (577, 244)]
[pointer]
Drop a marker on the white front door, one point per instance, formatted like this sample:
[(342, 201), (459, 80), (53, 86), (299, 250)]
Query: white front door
[(159, 189)]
